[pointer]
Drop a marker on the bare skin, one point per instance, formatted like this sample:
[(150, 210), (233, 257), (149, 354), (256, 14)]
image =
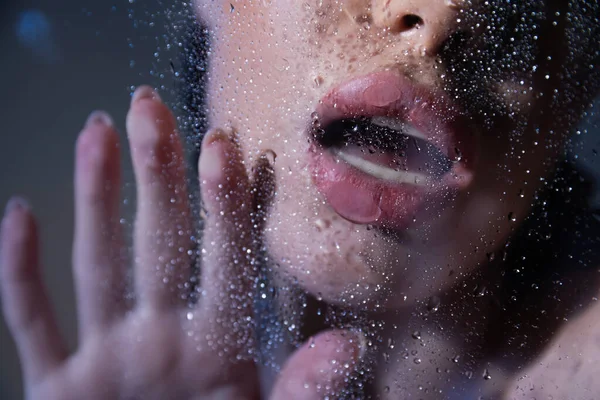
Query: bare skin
[(567, 369), (162, 347), (157, 347)]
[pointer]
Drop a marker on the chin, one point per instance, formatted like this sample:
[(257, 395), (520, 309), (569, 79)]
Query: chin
[(349, 264), (328, 257)]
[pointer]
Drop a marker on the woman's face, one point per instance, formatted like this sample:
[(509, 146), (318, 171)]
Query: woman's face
[(410, 135)]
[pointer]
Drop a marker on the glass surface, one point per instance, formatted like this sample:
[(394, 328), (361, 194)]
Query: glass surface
[(395, 199)]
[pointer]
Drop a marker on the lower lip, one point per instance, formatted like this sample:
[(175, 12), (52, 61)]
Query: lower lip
[(364, 199)]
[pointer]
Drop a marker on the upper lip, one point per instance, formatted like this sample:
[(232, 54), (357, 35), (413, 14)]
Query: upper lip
[(390, 94)]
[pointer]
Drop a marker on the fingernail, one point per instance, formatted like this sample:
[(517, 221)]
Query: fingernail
[(212, 160), (215, 135), (16, 203), (144, 92), (99, 118)]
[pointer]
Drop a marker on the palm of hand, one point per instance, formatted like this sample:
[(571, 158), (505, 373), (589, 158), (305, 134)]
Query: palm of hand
[(149, 357)]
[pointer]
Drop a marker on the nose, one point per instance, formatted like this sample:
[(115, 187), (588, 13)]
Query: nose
[(428, 23)]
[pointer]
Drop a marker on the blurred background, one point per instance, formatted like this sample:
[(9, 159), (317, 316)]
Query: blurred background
[(60, 61)]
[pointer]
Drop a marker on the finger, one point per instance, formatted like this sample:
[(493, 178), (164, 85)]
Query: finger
[(321, 367), (26, 305), (227, 271), (97, 264), (163, 233), (263, 190)]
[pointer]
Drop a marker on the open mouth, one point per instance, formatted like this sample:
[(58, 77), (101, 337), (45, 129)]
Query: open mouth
[(385, 148), (381, 147)]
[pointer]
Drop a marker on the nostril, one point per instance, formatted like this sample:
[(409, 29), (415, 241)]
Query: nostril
[(408, 22), (412, 21)]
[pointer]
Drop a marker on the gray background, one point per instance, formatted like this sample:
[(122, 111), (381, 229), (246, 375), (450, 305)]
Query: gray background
[(56, 66), (59, 61)]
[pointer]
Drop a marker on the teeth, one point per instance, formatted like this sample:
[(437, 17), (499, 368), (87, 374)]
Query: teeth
[(378, 171), (398, 125)]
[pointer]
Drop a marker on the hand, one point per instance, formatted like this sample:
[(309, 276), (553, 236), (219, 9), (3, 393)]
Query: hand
[(157, 346)]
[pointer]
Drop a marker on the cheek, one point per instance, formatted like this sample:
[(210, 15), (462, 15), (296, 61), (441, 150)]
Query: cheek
[(218, 15), (309, 244), (207, 11)]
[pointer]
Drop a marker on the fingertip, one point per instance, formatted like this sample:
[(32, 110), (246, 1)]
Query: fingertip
[(100, 118), (18, 237), (213, 136), (213, 158), (220, 165), (97, 137), (147, 112), (347, 345), (16, 203), (145, 92), (324, 363), (16, 215), (97, 156), (156, 148), (147, 104)]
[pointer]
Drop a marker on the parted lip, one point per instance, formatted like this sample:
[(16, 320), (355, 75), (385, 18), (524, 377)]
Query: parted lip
[(390, 94)]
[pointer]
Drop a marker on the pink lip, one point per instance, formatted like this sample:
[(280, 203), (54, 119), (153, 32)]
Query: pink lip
[(364, 199)]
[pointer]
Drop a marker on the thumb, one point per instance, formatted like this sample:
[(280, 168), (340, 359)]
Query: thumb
[(321, 367)]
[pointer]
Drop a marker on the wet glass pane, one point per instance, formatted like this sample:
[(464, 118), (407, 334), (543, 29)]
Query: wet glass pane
[(354, 199)]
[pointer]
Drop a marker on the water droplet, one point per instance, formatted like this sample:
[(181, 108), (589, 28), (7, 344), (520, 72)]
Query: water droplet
[(480, 291), (457, 155), (416, 335), (486, 375), (270, 155), (433, 304), (454, 4), (322, 224)]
